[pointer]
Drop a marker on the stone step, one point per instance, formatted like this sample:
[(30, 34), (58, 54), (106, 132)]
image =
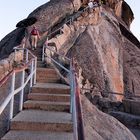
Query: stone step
[(46, 71), (39, 120), (35, 135), (37, 51), (53, 88), (126, 118), (47, 75), (41, 64), (49, 97), (48, 80), (39, 58), (49, 106), (37, 55)]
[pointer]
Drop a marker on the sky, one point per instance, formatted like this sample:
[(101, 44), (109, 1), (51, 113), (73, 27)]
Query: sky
[(135, 26), (12, 11)]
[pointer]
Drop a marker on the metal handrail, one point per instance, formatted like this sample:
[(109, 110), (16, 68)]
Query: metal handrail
[(46, 47), (74, 101), (126, 95), (103, 91), (60, 65), (76, 109), (75, 104), (71, 19), (31, 77)]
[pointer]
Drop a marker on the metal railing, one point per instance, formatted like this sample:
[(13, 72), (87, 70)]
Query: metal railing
[(72, 18), (29, 62), (107, 93), (75, 105)]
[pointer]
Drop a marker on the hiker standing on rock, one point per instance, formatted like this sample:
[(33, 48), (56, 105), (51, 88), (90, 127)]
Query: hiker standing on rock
[(34, 37), (90, 4)]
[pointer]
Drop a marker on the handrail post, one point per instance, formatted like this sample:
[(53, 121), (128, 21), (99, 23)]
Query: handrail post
[(35, 65), (74, 114), (43, 51), (31, 69), (70, 21), (12, 99), (22, 91), (72, 92), (27, 55)]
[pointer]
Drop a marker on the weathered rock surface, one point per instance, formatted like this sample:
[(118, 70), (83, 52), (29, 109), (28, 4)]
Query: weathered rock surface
[(122, 10), (101, 126), (127, 119), (98, 52), (131, 67), (52, 13), (106, 61), (10, 41), (7, 64), (47, 16)]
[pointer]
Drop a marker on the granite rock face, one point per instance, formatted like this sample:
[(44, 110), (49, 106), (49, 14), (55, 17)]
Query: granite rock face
[(100, 44), (54, 12), (131, 72), (106, 59), (10, 41), (6, 65), (101, 126), (47, 16)]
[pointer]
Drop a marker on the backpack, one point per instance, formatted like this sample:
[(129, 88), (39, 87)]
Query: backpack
[(34, 32)]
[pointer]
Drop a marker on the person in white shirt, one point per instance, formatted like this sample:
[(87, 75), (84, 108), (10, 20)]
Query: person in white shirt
[(90, 4)]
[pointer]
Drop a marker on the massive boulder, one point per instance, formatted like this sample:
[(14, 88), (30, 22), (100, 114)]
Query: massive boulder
[(52, 13), (10, 41), (95, 41), (131, 58), (100, 126), (101, 44), (104, 54), (123, 11), (48, 15)]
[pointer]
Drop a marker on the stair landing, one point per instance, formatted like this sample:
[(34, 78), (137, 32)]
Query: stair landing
[(35, 135)]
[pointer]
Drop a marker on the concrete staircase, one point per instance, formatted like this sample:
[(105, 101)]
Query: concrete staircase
[(46, 112)]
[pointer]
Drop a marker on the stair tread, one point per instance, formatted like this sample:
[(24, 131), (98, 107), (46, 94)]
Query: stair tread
[(48, 69), (41, 116), (48, 77), (51, 97), (49, 94), (48, 102), (52, 85), (41, 63), (37, 135)]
